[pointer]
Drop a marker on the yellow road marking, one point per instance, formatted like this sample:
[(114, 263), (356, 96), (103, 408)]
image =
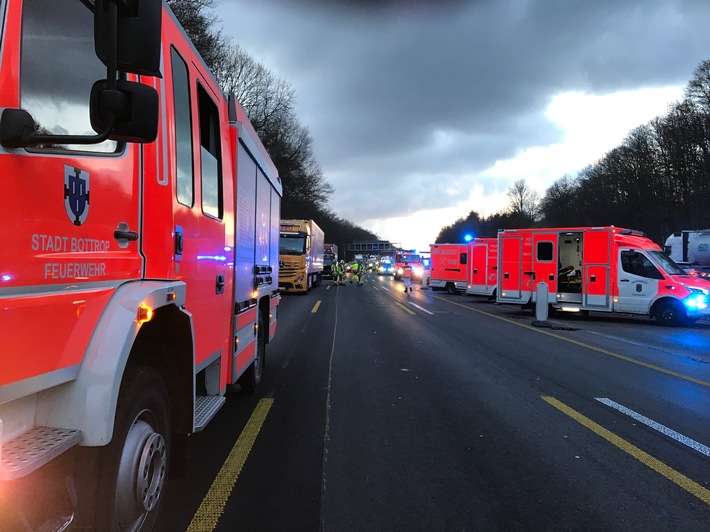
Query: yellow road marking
[(212, 506), (671, 474), (586, 346), (315, 307), (403, 307)]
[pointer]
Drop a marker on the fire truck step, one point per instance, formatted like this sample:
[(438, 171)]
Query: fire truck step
[(206, 406), (34, 448)]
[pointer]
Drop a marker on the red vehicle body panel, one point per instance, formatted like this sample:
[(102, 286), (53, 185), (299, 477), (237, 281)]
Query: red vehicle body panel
[(482, 271)]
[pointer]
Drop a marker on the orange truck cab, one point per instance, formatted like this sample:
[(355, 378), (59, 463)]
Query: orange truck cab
[(139, 275), (482, 279), (605, 269)]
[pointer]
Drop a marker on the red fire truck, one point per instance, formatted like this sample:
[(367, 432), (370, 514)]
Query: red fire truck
[(482, 278), (404, 257), (449, 265), (607, 269), (139, 272)]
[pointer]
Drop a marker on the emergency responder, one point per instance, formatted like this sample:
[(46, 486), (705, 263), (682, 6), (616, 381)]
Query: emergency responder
[(360, 274), (340, 273), (407, 277), (354, 269)]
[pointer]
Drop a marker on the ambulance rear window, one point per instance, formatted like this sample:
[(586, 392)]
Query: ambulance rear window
[(545, 251), (58, 68)]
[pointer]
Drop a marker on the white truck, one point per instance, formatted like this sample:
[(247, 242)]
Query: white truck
[(691, 250)]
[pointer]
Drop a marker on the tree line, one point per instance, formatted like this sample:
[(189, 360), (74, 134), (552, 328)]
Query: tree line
[(269, 102), (657, 180)]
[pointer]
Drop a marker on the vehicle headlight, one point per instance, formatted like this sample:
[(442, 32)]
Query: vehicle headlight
[(696, 290), (399, 271)]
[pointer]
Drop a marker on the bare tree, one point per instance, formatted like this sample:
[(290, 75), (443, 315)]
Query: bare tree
[(524, 203)]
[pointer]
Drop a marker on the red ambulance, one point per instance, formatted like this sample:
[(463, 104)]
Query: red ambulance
[(449, 264), (604, 269), (139, 271)]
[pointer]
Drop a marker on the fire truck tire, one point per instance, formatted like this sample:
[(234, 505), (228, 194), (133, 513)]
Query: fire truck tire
[(133, 468), (670, 313), (252, 377), (451, 289)]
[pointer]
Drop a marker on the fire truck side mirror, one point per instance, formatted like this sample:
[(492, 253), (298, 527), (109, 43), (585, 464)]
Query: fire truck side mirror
[(17, 128), (129, 30), (134, 107)]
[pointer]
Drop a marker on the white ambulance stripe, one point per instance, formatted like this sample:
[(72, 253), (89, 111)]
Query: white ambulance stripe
[(420, 308), (657, 426)]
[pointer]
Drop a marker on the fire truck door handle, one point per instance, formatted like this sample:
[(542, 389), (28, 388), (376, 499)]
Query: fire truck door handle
[(506, 276), (220, 284), (592, 278), (125, 235), (475, 270), (551, 277)]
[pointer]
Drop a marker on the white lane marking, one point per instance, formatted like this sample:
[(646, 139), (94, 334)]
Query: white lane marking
[(420, 308), (657, 426), (385, 288)]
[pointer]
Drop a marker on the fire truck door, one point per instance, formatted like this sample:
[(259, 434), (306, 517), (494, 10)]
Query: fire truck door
[(545, 263), (510, 260), (202, 207), (638, 282)]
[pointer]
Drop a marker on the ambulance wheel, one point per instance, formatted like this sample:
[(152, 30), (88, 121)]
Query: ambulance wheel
[(670, 313), (252, 377), (133, 468), (450, 288)]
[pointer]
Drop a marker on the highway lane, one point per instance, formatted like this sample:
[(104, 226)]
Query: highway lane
[(420, 411)]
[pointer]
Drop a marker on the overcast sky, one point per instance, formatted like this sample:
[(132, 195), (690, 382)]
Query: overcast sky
[(423, 110)]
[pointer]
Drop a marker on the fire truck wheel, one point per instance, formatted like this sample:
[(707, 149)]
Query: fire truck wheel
[(252, 377), (670, 313), (133, 468), (451, 289)]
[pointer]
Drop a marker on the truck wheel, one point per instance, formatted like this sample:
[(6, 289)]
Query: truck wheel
[(133, 468), (450, 288), (252, 377), (670, 313)]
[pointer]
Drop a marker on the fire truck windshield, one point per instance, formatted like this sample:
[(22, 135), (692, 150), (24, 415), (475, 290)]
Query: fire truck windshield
[(292, 244), (411, 258), (666, 263)]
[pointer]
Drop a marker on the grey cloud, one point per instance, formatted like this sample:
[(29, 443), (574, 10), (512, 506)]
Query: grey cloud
[(376, 81)]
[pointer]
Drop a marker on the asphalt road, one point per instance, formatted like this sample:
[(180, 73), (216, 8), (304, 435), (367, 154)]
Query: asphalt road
[(426, 411)]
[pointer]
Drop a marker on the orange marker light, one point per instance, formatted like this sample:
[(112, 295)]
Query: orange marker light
[(144, 314)]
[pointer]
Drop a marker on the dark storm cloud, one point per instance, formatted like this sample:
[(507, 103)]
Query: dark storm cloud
[(383, 85)]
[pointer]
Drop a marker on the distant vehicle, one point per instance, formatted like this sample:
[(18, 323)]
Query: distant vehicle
[(605, 269), (449, 267), (385, 266), (412, 258), (482, 278), (330, 257), (300, 255), (691, 250)]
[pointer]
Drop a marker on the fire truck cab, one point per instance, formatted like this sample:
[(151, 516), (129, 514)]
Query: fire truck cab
[(483, 267), (138, 277), (606, 269)]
